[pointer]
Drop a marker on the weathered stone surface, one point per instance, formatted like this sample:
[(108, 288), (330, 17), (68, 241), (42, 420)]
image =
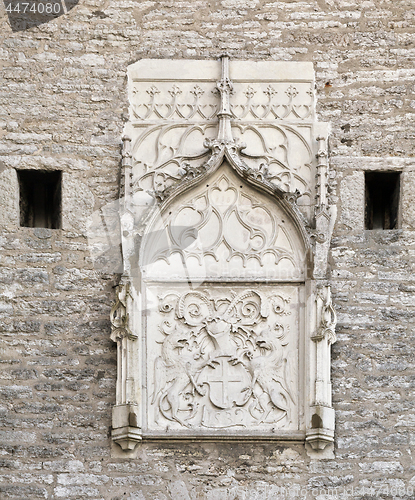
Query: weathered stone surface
[(352, 198), (9, 198), (408, 198), (77, 204), (63, 103)]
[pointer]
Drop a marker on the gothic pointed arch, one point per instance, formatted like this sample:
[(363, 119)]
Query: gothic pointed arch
[(223, 227), (224, 318)]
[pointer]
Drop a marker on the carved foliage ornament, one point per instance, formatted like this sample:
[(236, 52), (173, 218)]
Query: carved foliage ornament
[(225, 362), (236, 169)]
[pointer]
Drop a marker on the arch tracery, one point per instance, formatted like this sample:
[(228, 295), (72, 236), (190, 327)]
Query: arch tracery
[(224, 299)]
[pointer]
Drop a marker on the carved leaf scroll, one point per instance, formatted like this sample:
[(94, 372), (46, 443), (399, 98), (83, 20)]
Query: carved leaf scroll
[(225, 361)]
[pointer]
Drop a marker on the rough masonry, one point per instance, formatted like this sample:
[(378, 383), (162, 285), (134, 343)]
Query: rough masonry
[(63, 105)]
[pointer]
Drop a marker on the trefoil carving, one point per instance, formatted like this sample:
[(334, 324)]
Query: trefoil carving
[(224, 318)]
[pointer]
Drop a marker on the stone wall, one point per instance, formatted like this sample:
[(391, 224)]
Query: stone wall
[(63, 105)]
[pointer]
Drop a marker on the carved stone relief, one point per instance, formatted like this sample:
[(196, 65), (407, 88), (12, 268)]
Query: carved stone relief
[(224, 358), (224, 318), (168, 101), (224, 229), (173, 121)]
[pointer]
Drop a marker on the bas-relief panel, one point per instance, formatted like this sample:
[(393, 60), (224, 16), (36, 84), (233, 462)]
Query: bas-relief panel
[(197, 101), (222, 358), (225, 313), (173, 121), (163, 154), (224, 229)]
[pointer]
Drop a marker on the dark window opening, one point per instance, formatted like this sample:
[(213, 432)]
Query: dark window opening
[(382, 200), (40, 198)]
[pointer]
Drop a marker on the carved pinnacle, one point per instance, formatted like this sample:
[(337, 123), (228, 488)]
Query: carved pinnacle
[(126, 150), (225, 88)]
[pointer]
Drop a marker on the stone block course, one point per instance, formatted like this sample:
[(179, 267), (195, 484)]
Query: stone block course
[(63, 106)]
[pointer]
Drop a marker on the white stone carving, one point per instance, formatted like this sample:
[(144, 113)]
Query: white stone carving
[(126, 413), (224, 229), (325, 214), (174, 122), (224, 358), (320, 430), (224, 318), (174, 102), (277, 101)]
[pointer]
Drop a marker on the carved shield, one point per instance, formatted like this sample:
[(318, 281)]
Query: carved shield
[(229, 383)]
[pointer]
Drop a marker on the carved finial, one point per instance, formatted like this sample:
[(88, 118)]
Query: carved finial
[(126, 150), (225, 88), (321, 184)]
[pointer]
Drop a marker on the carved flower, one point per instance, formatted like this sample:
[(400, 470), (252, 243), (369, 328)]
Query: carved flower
[(197, 91), (270, 91), (175, 90), (250, 92), (291, 92), (153, 90)]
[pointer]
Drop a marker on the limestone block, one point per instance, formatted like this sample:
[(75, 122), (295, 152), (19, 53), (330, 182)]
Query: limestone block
[(104, 238), (77, 204), (178, 490), (9, 198), (408, 199), (352, 196)]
